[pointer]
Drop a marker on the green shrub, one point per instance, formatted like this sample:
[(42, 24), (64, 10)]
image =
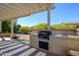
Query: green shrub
[(25, 29), (41, 26), (63, 27), (14, 37)]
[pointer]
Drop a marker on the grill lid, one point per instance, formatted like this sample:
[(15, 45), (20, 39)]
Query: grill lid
[(44, 34)]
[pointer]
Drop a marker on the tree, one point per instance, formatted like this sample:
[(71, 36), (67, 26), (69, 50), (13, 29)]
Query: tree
[(6, 26), (25, 29), (63, 27), (18, 27), (41, 26)]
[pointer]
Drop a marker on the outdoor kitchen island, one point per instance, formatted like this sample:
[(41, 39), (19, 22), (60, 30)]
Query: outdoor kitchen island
[(42, 41), (56, 45)]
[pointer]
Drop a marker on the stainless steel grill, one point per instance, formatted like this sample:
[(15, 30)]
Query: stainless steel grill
[(44, 34)]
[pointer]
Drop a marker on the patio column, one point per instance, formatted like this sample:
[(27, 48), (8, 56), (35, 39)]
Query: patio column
[(48, 19), (0, 26), (12, 27)]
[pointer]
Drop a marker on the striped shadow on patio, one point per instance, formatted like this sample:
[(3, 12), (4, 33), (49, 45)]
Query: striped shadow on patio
[(19, 48)]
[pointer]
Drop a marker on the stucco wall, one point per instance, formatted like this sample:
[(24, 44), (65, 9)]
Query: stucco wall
[(34, 41), (61, 43)]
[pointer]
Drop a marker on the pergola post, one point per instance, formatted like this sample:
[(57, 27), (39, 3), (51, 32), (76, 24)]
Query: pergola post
[(0, 26), (12, 27), (48, 19)]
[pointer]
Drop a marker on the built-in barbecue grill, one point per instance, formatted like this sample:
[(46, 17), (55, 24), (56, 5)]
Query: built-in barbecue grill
[(44, 35)]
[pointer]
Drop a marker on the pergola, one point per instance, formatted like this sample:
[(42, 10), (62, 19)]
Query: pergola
[(12, 11)]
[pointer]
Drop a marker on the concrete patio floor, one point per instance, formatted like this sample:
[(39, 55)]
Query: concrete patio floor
[(19, 48)]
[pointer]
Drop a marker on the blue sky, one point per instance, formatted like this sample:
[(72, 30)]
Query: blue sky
[(64, 12)]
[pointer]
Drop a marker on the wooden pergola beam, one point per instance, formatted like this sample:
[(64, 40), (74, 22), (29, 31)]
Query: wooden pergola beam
[(14, 10)]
